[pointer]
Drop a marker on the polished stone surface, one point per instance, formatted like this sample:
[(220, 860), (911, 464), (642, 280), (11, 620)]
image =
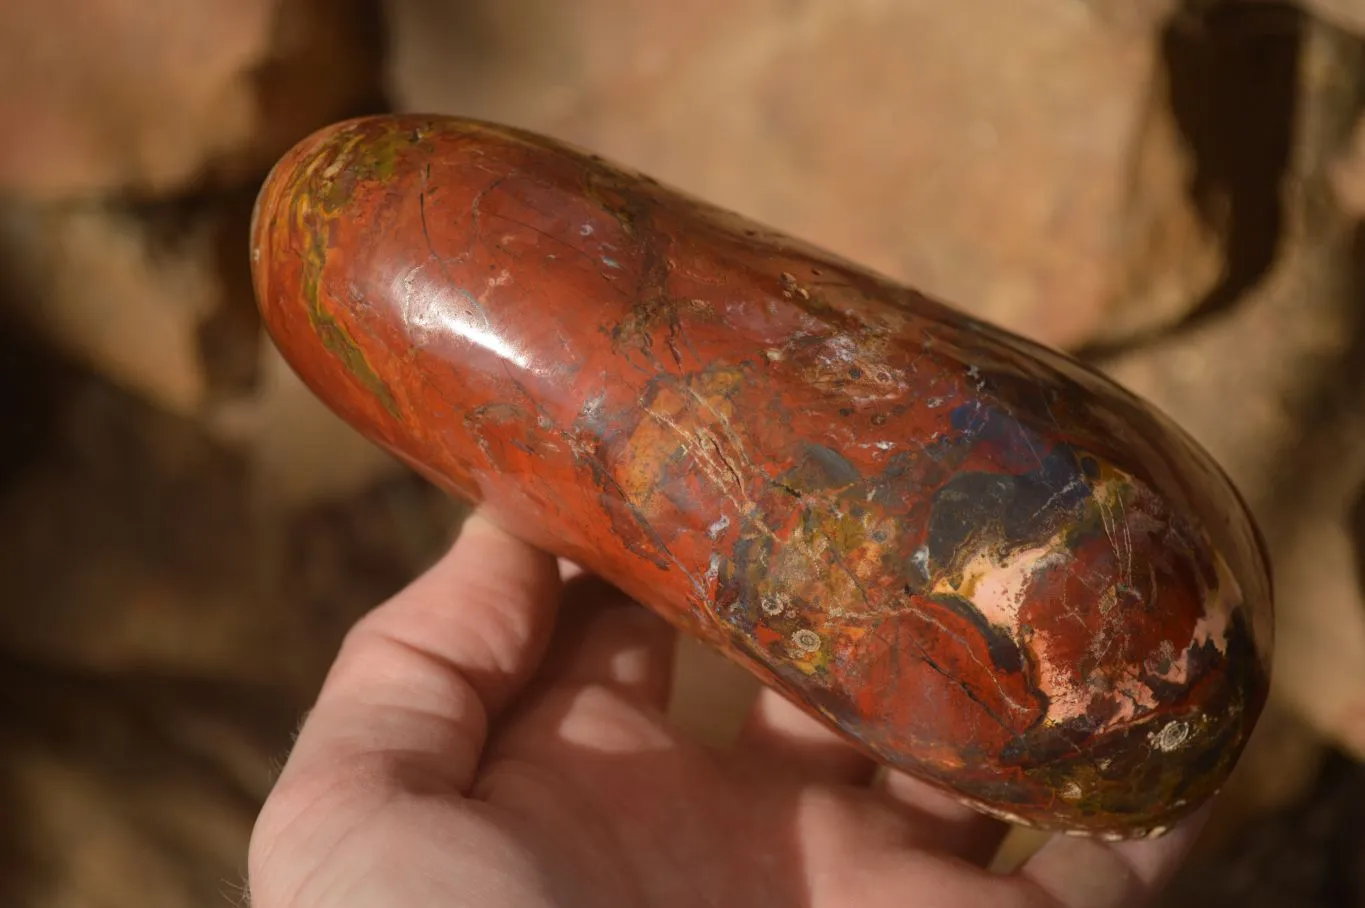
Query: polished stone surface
[(983, 562)]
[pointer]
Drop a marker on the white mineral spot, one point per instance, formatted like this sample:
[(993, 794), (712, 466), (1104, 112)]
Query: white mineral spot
[(776, 604), (1170, 737), (806, 640), (921, 559)]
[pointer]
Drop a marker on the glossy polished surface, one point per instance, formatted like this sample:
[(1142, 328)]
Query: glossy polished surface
[(982, 562)]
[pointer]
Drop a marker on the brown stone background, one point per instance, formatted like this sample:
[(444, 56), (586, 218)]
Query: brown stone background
[(1171, 188)]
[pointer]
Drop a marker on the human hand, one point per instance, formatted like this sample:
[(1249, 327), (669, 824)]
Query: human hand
[(469, 749)]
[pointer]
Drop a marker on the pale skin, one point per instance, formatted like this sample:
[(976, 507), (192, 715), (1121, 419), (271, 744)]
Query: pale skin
[(495, 736)]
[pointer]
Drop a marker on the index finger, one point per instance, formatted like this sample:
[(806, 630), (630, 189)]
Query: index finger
[(418, 679)]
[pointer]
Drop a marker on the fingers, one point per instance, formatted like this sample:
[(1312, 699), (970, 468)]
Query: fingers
[(605, 638), (406, 705), (780, 736), (1089, 873), (420, 676), (943, 823)]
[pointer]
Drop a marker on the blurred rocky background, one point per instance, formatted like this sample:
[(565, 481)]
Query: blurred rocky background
[(1171, 188)]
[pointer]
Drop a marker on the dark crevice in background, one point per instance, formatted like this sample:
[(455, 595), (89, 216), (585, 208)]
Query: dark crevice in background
[(1233, 74), (367, 66), (33, 384), (1234, 91), (1352, 389), (1348, 394), (228, 337)]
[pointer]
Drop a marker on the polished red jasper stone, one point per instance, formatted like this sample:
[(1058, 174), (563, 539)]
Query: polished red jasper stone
[(982, 562)]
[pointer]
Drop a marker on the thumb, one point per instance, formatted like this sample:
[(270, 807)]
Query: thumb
[(408, 701)]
